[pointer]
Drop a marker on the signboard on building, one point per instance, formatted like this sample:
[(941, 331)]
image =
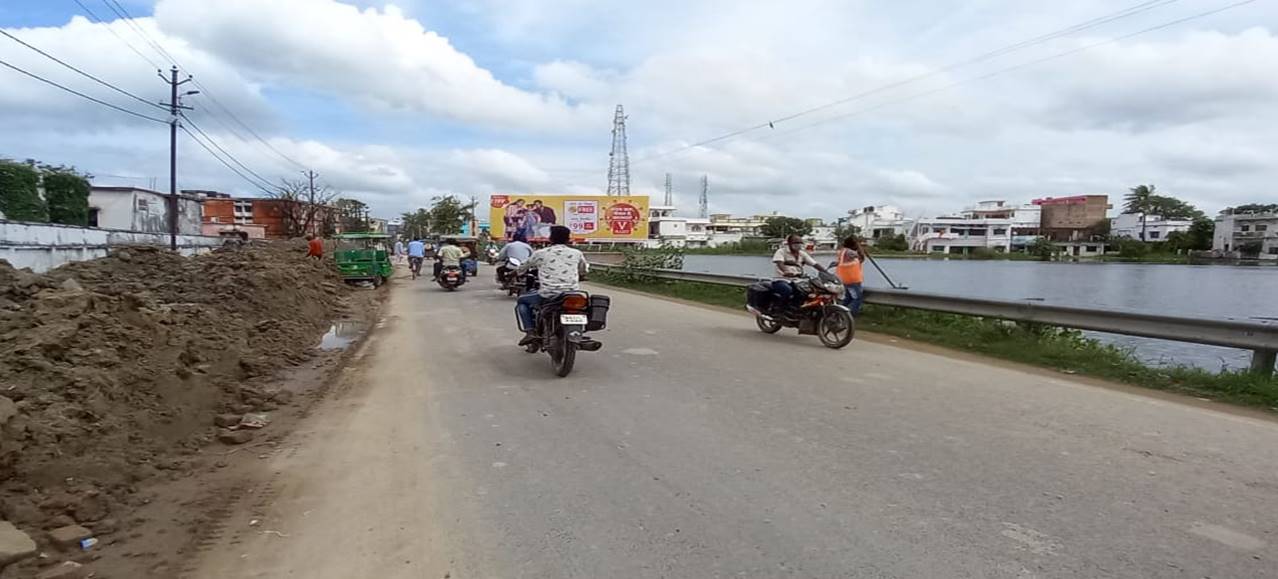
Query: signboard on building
[(595, 218)]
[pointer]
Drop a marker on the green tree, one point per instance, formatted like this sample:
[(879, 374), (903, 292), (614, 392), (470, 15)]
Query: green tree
[(416, 224), (352, 214), (1173, 208), (20, 192), (782, 227), (448, 214), (1140, 200), (66, 193), (843, 231), (1198, 238), (1042, 248), (896, 242)]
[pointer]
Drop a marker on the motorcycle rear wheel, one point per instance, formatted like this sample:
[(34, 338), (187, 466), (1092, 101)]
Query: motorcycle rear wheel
[(766, 325), (836, 328), (563, 356)]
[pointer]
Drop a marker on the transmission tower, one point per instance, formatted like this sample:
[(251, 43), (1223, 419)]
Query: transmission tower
[(619, 159), (705, 197), (669, 192)]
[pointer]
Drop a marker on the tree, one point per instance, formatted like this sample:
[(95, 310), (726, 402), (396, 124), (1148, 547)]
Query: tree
[(1252, 208), (20, 192), (1139, 200), (304, 209), (782, 227), (1042, 248), (416, 224), (66, 193), (448, 214), (1173, 208), (352, 214), (896, 242), (843, 231), (1198, 238)]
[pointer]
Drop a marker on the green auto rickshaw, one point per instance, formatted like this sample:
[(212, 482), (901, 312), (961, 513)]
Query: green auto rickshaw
[(363, 257)]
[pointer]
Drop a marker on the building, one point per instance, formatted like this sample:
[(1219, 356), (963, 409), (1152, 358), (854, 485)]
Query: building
[(1247, 235), (1073, 218), (877, 221), (666, 228), (738, 226), (823, 236), (142, 210), (1156, 228), (992, 225), (234, 230), (276, 215)]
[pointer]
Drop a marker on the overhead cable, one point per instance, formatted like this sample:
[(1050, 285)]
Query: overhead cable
[(81, 72), (82, 95)]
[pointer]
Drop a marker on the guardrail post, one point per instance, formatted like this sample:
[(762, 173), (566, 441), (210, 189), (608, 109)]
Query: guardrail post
[(1262, 361)]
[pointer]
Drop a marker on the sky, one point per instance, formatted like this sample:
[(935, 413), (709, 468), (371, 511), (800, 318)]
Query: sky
[(928, 105)]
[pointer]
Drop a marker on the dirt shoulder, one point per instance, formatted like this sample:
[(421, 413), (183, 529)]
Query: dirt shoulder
[(143, 386)]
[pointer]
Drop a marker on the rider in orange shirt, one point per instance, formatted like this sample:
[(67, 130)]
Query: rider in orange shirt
[(849, 271)]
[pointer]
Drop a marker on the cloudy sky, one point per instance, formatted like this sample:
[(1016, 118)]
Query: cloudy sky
[(941, 103)]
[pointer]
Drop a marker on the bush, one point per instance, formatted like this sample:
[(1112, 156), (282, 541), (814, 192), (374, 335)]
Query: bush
[(66, 193), (1042, 248), (1132, 248), (19, 192), (892, 243)]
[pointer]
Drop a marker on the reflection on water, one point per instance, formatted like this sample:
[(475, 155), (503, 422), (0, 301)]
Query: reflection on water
[(1210, 291), (342, 334)]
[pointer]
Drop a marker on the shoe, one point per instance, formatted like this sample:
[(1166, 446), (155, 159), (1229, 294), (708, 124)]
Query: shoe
[(529, 339)]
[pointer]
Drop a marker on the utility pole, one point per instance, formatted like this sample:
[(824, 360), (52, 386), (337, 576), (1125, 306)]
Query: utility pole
[(669, 191), (175, 110), (705, 197), (618, 158)]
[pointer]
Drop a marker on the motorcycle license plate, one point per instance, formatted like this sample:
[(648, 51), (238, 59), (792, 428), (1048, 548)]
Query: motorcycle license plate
[(572, 319)]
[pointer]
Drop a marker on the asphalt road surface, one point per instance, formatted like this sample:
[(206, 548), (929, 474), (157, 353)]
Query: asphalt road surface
[(695, 446)]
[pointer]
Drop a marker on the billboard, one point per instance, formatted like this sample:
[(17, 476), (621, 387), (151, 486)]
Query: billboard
[(587, 216)]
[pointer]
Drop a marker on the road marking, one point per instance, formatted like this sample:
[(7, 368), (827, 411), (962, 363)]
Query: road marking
[(640, 352), (1227, 536)]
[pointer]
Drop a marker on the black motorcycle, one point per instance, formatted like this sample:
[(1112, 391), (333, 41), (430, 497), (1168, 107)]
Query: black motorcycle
[(451, 278), (813, 309), (562, 323), (513, 284)]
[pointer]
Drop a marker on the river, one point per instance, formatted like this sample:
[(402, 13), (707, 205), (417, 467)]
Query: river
[(1212, 291)]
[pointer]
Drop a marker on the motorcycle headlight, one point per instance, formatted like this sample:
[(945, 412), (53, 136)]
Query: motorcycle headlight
[(833, 287)]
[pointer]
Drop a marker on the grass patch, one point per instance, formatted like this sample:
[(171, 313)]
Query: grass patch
[(1036, 344)]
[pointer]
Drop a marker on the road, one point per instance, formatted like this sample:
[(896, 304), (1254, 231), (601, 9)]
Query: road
[(694, 446)]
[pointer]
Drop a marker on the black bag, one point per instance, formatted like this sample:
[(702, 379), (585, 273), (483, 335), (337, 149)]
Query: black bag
[(759, 295), (597, 313)]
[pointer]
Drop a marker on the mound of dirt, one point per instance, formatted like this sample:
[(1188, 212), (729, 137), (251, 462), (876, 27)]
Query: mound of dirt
[(111, 370)]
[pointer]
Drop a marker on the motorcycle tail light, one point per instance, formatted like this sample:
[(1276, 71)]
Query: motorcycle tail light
[(575, 303)]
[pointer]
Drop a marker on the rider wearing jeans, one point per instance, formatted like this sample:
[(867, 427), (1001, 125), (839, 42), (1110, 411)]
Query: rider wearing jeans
[(559, 269), (790, 259), (416, 253)]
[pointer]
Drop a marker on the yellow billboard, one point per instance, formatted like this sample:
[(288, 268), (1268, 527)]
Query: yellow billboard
[(589, 217)]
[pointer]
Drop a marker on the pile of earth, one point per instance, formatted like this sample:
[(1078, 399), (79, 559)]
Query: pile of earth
[(113, 370)]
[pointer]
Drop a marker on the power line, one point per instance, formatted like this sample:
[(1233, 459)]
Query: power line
[(81, 72), (1085, 25), (93, 16), (123, 13), (82, 95), (228, 155), (241, 123), (999, 72), (223, 162)]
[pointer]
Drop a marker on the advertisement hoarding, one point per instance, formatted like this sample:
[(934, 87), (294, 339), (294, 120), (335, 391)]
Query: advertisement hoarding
[(589, 217)]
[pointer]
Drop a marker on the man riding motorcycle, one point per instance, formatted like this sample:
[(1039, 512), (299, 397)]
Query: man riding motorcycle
[(518, 249), (559, 269), (789, 260), (416, 253), (450, 256)]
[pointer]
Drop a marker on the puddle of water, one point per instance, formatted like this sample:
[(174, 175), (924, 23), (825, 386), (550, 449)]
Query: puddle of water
[(342, 334)]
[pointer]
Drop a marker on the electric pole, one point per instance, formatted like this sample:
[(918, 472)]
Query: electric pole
[(669, 191), (175, 109), (618, 158), (705, 197)]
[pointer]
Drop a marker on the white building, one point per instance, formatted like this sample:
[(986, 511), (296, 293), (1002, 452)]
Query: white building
[(876, 221), (992, 225), (665, 228), (1156, 228), (1236, 233), (142, 210)]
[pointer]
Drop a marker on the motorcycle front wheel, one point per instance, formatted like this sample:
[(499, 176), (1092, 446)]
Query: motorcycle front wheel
[(563, 356), (766, 325), (836, 328)]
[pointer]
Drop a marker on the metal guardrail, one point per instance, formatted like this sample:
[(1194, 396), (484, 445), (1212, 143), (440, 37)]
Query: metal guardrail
[(1259, 337)]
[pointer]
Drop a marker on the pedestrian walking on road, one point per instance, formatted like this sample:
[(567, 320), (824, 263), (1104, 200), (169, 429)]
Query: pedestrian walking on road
[(848, 268), (314, 246), (399, 250)]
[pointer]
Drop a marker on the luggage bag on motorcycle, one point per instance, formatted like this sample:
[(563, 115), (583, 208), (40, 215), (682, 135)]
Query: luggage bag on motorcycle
[(759, 295), (597, 312)]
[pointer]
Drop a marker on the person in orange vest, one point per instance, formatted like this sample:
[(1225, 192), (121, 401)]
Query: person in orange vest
[(314, 246), (848, 268)]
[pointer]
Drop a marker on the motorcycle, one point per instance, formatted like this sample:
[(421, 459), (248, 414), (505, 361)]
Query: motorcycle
[(492, 255), (814, 309), (450, 278), (516, 285), (562, 323)]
